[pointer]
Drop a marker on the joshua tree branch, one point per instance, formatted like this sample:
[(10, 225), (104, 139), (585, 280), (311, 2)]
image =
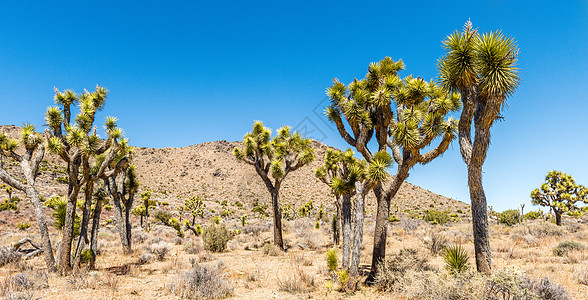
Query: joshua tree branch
[(440, 149)]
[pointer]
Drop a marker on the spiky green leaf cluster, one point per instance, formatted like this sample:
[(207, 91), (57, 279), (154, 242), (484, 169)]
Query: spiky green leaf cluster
[(487, 61), (286, 151)]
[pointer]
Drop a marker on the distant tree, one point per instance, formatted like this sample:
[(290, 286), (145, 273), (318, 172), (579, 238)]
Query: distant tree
[(195, 206), (275, 158), (76, 144), (30, 160), (482, 68), (348, 176), (146, 197), (560, 193), (405, 116)]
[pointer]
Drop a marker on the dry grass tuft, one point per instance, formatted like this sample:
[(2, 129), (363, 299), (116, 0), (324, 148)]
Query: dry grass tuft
[(202, 282)]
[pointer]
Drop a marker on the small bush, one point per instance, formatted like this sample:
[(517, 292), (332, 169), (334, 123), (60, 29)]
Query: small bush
[(394, 268), (436, 217), (23, 225), (272, 250), (192, 247), (456, 259), (145, 259), (202, 282), (317, 225), (581, 274), (215, 238), (509, 217), (565, 247), (532, 215), (546, 289), (160, 249), (296, 280), (86, 256), (8, 255), (393, 219), (436, 242), (332, 259)]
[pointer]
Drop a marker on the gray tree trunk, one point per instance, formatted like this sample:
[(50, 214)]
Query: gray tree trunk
[(83, 238), (94, 233), (557, 214), (358, 228), (278, 240), (70, 212), (128, 206), (118, 215), (346, 222), (479, 220)]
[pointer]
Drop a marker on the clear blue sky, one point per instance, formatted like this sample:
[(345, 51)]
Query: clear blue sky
[(184, 72)]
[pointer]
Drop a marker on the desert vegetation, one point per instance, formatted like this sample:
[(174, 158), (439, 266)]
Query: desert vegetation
[(335, 224)]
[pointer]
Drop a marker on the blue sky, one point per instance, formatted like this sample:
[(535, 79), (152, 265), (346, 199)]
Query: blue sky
[(184, 72)]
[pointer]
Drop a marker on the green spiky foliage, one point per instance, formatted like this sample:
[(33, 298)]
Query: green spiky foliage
[(560, 193), (456, 259), (77, 143), (404, 116), (273, 159), (483, 69), (195, 206)]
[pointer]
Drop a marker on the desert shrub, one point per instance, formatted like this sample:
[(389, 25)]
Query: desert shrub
[(532, 215), (295, 280), (539, 229), (317, 224), (243, 220), (565, 247), (546, 289), (272, 250), (581, 274), (139, 235), (436, 242), (509, 217), (160, 249), (12, 285), (9, 255), (436, 217), (145, 259), (202, 282), (393, 268), (409, 224), (508, 283), (289, 212), (393, 219), (306, 209), (167, 220), (215, 238), (86, 256), (23, 225), (332, 259), (456, 259), (260, 209), (192, 247)]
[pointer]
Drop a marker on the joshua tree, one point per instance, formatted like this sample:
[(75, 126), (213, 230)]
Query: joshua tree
[(195, 206), (100, 197), (348, 176), (275, 157), (404, 115), (76, 143), (560, 193), (29, 161), (482, 68), (9, 190), (146, 197)]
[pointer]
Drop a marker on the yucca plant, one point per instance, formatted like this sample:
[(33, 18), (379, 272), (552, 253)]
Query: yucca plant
[(482, 68), (273, 160), (456, 259), (332, 260)]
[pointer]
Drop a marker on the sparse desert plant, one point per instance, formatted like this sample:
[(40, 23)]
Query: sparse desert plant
[(202, 282), (192, 247), (508, 283), (436, 217), (532, 215), (546, 289), (394, 268), (456, 259), (8, 255), (295, 280), (243, 220), (509, 217), (160, 250), (436, 242), (215, 237), (565, 247), (272, 250), (331, 259), (23, 225), (581, 274), (145, 259)]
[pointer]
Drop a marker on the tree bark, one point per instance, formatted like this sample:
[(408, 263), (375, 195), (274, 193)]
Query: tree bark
[(358, 229), (68, 233), (346, 222), (128, 205), (479, 220), (557, 217), (83, 238), (43, 230), (277, 219), (94, 233), (118, 215)]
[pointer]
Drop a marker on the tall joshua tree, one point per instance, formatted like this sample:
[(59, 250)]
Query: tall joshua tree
[(404, 116), (482, 68), (347, 176), (273, 160), (29, 161), (560, 193), (76, 143)]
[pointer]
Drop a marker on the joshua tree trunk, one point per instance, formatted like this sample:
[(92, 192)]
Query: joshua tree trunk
[(346, 220), (382, 220), (83, 238), (128, 205), (118, 214), (479, 220), (94, 234), (557, 214), (277, 219), (337, 216), (358, 229), (70, 212), (42, 223)]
